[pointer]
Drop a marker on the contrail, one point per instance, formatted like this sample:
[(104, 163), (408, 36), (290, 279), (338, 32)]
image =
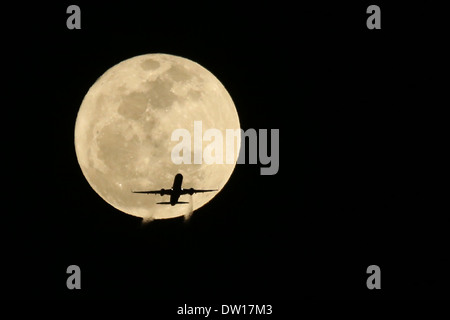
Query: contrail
[(146, 220), (190, 209)]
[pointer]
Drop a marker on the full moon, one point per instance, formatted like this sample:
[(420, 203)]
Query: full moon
[(123, 133)]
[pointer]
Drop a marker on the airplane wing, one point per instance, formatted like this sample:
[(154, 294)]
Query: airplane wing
[(191, 191), (161, 192)]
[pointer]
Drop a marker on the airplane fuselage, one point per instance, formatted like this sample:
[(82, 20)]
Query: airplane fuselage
[(176, 189)]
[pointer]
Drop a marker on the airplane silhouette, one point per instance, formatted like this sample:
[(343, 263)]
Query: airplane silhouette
[(175, 192)]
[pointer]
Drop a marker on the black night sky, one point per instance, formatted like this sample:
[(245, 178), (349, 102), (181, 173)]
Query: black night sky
[(361, 177)]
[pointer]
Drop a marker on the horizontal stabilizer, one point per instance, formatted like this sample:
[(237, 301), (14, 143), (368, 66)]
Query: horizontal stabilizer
[(166, 202)]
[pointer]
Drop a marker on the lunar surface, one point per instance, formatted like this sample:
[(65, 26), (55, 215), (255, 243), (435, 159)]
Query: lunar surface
[(124, 126)]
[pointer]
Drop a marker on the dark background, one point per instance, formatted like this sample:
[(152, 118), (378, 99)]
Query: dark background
[(361, 179)]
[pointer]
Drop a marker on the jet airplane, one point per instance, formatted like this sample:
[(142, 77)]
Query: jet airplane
[(175, 192)]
